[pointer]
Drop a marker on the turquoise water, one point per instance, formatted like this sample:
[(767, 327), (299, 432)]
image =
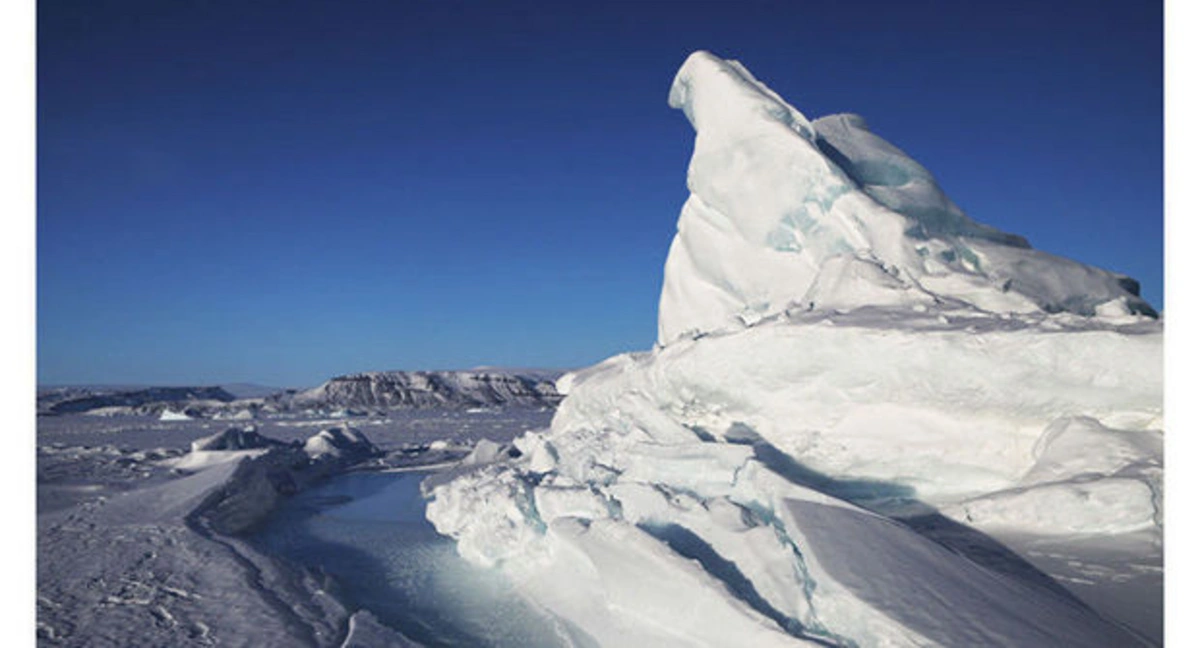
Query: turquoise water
[(369, 533)]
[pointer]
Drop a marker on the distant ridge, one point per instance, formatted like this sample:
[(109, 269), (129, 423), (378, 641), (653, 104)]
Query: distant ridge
[(151, 400), (482, 387), (363, 392)]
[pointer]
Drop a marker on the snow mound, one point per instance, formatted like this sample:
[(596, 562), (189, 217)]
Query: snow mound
[(234, 438), (869, 356), (230, 446), (343, 443), (171, 415), (271, 471), (242, 415), (1086, 479), (785, 212)]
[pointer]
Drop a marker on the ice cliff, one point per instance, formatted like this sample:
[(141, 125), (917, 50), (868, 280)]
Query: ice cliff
[(855, 385)]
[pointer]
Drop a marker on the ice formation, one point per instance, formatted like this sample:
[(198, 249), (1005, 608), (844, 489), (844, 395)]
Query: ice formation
[(841, 349), (339, 443), (788, 213), (234, 438)]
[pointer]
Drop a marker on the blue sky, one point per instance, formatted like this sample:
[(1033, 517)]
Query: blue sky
[(283, 191)]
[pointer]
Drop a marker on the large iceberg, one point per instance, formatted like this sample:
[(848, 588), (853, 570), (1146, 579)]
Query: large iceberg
[(855, 384), (790, 213)]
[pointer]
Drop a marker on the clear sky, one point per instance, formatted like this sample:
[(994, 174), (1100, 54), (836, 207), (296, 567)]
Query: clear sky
[(281, 191)]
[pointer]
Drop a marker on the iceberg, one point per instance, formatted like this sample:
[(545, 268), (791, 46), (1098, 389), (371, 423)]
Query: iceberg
[(855, 387), (787, 213)]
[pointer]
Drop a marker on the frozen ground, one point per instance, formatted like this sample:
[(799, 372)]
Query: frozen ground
[(124, 561), (351, 560)]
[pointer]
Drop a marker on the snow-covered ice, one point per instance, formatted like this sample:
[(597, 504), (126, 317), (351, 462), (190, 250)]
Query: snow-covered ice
[(858, 394), (367, 531), (141, 525)]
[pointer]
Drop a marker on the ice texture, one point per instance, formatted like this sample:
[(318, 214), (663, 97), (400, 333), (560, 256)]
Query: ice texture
[(855, 384), (778, 204)]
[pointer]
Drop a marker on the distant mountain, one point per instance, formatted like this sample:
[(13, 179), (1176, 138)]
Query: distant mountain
[(425, 389), (151, 400), (370, 391)]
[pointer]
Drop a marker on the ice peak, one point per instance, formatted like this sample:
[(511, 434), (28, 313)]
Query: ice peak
[(777, 200), (715, 93)]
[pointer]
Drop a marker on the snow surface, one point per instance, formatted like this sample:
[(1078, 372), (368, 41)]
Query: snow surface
[(133, 544), (856, 387)]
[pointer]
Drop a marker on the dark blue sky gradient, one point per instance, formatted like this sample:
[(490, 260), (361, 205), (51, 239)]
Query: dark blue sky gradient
[(282, 191)]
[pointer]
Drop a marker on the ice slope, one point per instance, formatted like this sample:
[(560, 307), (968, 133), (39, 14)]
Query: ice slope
[(854, 382), (711, 443), (786, 212)]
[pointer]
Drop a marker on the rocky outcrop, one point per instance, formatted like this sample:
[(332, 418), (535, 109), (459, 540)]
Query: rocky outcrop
[(425, 389)]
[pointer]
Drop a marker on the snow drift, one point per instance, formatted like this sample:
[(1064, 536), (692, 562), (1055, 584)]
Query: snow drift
[(841, 348)]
